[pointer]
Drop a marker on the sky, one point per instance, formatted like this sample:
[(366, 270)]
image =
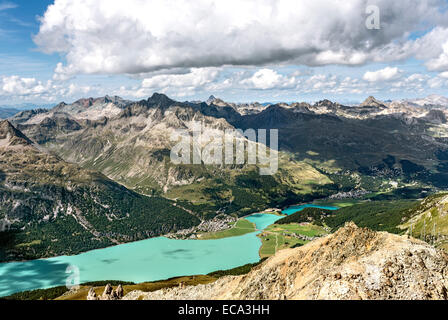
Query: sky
[(238, 50)]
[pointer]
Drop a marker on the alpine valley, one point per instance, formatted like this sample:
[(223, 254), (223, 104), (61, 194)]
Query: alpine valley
[(98, 165), (97, 173)]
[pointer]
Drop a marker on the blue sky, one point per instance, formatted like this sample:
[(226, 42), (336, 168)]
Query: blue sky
[(17, 50), (62, 50)]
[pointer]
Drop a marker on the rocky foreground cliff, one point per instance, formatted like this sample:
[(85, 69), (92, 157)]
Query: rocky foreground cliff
[(353, 263)]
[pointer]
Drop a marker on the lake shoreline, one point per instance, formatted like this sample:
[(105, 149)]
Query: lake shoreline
[(195, 256), (267, 211)]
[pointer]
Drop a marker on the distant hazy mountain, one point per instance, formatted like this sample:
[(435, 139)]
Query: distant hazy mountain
[(432, 101), (8, 112), (28, 106), (241, 108)]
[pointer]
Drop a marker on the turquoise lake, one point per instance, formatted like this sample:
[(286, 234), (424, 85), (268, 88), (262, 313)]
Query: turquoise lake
[(148, 260), (294, 209), (262, 221)]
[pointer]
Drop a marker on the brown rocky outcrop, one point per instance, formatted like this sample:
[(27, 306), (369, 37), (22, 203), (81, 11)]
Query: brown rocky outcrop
[(92, 295), (119, 292), (108, 294)]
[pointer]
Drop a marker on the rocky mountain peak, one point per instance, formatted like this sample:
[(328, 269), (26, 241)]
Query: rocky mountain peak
[(216, 101), (6, 127), (10, 136), (372, 102), (211, 99), (108, 98), (60, 105), (119, 101), (160, 99), (86, 103), (325, 102)]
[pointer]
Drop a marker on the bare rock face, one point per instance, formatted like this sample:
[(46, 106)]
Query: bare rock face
[(108, 290), (119, 292), (436, 116), (108, 294), (351, 264), (372, 102), (92, 295), (10, 136)]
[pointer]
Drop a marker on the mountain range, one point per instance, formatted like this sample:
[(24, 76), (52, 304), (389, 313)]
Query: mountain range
[(7, 111), (430, 102), (99, 165)]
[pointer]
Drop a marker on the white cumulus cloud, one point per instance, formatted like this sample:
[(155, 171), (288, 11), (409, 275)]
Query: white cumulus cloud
[(196, 78), (15, 85), (264, 79), (139, 36), (385, 74), (30, 88)]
